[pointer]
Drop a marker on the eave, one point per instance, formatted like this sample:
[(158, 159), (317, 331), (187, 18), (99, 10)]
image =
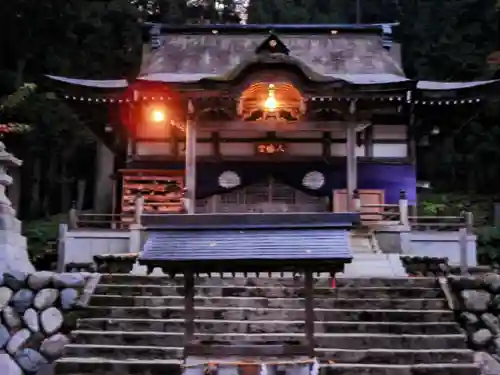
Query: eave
[(314, 29)]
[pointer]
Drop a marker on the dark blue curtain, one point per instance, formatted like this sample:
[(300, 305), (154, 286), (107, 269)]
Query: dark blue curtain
[(291, 174), (392, 178)]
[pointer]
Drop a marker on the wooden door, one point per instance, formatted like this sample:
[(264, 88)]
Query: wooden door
[(368, 196)]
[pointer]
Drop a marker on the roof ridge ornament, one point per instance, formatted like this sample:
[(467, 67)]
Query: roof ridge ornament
[(272, 44), (387, 36), (155, 32)]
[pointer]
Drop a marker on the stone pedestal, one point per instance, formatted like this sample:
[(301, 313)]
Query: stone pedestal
[(13, 246)]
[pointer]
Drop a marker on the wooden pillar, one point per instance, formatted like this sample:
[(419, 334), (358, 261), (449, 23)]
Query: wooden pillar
[(190, 161), (309, 310), (352, 167), (369, 141)]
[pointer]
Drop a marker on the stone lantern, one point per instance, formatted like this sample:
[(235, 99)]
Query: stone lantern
[(13, 245)]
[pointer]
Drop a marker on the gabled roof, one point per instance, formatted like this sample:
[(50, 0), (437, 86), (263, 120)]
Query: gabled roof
[(216, 54), (236, 242), (354, 54)]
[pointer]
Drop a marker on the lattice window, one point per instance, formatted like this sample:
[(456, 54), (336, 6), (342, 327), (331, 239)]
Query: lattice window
[(265, 196)]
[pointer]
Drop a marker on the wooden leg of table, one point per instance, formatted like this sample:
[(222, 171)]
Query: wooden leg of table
[(188, 307), (309, 313)]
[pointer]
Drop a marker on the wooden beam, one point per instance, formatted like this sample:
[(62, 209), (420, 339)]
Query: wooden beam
[(189, 312), (277, 139), (190, 165), (327, 141), (215, 144), (271, 126), (145, 160)]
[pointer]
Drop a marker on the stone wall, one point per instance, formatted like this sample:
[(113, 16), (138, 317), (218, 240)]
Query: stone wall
[(37, 313), (476, 301)]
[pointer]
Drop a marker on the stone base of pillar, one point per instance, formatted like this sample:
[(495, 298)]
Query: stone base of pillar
[(374, 265), (14, 253)]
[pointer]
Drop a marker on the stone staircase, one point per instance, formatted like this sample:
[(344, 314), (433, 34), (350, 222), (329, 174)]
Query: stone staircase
[(368, 260), (134, 325), (363, 240)]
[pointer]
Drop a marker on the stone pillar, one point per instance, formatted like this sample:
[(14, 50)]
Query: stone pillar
[(14, 192), (13, 246), (103, 189)]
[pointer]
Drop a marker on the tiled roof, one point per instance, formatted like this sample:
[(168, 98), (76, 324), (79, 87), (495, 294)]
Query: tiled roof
[(247, 244)]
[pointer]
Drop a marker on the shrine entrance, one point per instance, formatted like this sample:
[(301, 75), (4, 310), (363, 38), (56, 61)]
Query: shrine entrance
[(267, 196)]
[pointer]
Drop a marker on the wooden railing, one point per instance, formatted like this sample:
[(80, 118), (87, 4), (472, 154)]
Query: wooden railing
[(388, 214), (399, 214), (106, 221)]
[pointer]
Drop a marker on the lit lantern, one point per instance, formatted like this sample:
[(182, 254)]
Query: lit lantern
[(271, 103), (156, 114), (155, 121)]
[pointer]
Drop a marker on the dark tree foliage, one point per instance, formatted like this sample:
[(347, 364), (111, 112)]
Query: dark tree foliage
[(442, 39)]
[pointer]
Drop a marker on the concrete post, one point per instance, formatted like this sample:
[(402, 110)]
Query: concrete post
[(139, 209), (73, 217), (464, 242), (356, 197), (403, 209)]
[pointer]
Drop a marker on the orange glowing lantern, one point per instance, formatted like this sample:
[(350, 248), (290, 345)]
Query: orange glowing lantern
[(271, 104), (156, 114)]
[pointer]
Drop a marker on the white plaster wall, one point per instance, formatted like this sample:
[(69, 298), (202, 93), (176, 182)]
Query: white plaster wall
[(237, 149), (153, 148), (339, 149), (80, 246), (390, 132), (304, 149), (440, 245), (202, 148), (390, 150)]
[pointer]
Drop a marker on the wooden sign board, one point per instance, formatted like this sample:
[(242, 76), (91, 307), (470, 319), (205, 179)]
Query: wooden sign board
[(368, 197), (270, 148)]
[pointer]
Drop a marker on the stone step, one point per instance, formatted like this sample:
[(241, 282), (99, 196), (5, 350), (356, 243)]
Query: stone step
[(257, 314), (128, 352), (371, 356), (397, 356), (264, 280), (106, 366), (285, 303), (270, 292), (275, 326), (323, 340), (417, 369)]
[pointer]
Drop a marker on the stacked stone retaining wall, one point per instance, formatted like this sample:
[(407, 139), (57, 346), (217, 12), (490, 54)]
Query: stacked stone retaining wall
[(476, 300), (37, 313)]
